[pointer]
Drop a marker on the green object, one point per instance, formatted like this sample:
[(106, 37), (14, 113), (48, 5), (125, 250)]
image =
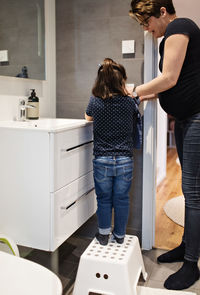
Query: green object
[(5, 241)]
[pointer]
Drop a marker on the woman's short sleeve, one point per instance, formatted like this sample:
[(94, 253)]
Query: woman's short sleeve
[(179, 26)]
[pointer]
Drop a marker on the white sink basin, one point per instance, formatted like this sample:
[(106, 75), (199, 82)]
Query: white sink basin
[(50, 124)]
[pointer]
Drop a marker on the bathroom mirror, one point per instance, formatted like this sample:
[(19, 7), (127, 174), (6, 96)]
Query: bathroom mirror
[(22, 39)]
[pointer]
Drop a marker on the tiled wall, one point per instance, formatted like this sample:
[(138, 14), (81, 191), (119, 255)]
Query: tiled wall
[(87, 31)]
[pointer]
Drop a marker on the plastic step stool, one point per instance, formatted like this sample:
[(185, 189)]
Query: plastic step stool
[(113, 269)]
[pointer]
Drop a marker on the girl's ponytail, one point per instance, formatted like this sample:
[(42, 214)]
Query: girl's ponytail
[(110, 80)]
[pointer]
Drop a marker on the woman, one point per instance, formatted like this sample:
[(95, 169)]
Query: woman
[(178, 89), (113, 148)]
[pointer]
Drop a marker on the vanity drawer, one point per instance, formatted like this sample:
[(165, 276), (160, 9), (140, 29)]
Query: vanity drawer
[(73, 205), (73, 154), (73, 137)]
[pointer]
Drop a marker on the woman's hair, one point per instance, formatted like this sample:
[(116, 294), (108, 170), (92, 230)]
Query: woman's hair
[(110, 80), (145, 8)]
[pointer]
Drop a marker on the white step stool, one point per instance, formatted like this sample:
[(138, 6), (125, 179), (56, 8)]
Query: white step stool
[(113, 269)]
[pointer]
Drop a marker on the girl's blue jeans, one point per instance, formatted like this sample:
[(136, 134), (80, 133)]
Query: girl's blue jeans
[(187, 135), (112, 177)]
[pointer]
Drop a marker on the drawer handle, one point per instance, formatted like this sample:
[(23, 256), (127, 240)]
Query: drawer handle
[(77, 146), (66, 208), (85, 194)]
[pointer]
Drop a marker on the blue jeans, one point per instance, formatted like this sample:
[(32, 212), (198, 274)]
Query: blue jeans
[(112, 177), (187, 135)]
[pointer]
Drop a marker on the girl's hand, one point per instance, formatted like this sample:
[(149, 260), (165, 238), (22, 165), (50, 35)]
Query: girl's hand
[(88, 118)]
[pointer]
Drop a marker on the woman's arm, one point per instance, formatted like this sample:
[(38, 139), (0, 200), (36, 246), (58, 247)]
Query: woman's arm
[(174, 54), (88, 118), (148, 97)]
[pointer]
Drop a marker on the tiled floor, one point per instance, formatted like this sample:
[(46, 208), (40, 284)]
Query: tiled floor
[(71, 250)]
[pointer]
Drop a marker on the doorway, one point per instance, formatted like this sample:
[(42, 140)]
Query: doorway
[(168, 221), (168, 234)]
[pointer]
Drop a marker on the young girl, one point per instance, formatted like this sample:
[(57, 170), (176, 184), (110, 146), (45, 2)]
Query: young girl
[(114, 115)]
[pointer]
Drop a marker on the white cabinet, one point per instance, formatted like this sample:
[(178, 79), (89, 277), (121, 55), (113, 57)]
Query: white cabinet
[(46, 182)]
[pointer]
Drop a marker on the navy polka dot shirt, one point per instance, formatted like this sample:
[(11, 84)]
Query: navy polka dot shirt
[(114, 120)]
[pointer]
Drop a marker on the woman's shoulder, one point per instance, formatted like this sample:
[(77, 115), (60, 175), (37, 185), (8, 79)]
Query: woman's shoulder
[(182, 20), (180, 25)]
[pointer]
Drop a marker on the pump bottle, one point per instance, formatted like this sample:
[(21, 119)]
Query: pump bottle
[(33, 100)]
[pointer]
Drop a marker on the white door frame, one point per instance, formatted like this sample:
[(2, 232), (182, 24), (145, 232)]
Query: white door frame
[(149, 148)]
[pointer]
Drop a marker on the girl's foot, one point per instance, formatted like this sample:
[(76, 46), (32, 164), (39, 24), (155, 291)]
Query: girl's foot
[(118, 240), (103, 239)]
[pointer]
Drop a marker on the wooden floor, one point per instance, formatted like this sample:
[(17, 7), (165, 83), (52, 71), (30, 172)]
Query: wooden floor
[(168, 234)]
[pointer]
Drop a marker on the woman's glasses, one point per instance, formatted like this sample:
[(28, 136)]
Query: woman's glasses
[(145, 22)]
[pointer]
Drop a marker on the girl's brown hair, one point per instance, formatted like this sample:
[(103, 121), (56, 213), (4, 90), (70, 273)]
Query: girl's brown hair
[(110, 80)]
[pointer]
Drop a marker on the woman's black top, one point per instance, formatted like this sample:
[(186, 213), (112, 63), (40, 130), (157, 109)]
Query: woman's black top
[(183, 100)]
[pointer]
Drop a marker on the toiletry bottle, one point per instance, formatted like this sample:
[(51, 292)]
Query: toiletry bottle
[(33, 101)]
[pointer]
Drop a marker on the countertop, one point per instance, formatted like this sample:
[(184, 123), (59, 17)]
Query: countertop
[(45, 124)]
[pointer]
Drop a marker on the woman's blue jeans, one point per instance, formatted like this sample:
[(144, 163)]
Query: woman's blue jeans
[(112, 177), (187, 135)]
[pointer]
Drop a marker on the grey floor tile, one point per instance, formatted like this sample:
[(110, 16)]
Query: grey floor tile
[(65, 281), (69, 291), (150, 260), (161, 272), (154, 284), (24, 251), (197, 285), (66, 268), (197, 291), (195, 288)]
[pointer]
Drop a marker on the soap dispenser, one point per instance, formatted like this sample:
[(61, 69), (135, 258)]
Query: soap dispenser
[(33, 112)]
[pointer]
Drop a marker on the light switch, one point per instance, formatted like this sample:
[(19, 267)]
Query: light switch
[(128, 46), (130, 86), (3, 55)]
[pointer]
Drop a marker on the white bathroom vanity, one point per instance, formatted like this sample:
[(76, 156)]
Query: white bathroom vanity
[(46, 180)]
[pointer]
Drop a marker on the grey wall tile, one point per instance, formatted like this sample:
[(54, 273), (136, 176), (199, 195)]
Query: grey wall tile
[(119, 7), (75, 109)]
